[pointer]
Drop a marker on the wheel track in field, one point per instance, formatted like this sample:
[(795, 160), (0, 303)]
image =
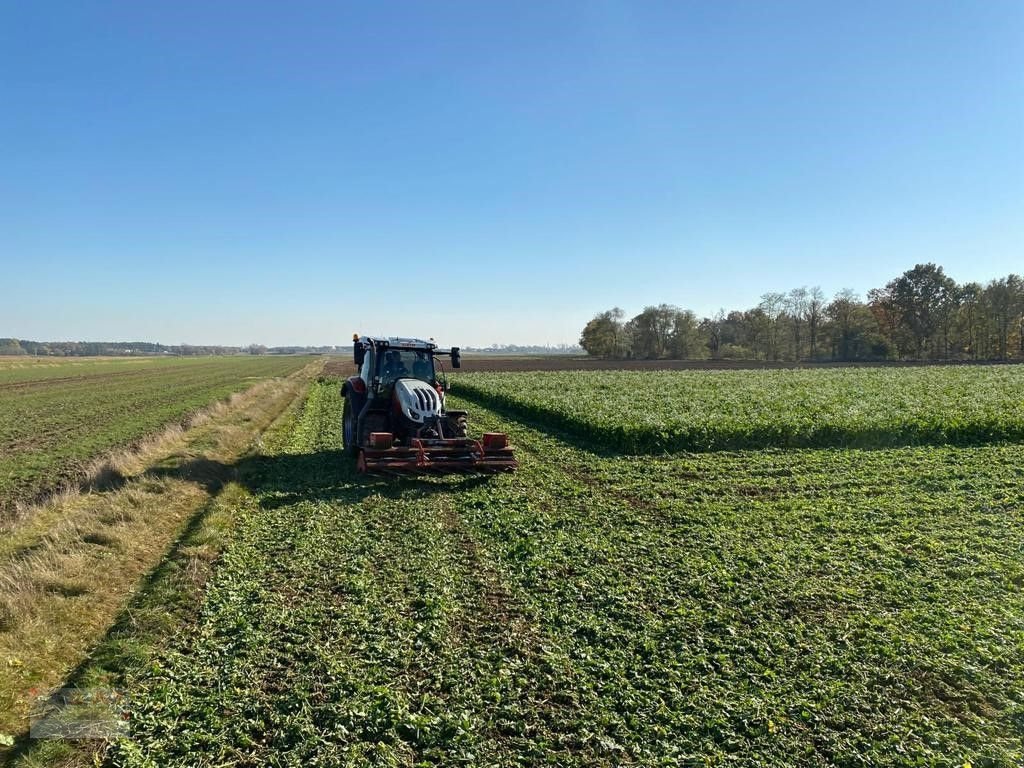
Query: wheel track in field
[(82, 378)]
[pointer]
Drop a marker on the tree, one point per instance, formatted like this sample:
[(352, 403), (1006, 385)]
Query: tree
[(970, 317), (711, 328), (948, 311), (889, 319), (772, 306), (757, 333), (854, 328), (1015, 283), (840, 313), (1004, 309), (602, 336), (796, 305), (11, 347), (923, 296), (999, 298), (653, 331), (815, 312), (686, 335)]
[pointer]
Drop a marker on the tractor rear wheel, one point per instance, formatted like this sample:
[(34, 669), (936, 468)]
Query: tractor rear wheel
[(348, 429)]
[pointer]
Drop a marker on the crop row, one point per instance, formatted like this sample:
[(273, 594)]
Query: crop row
[(761, 608), (714, 410), (56, 418)]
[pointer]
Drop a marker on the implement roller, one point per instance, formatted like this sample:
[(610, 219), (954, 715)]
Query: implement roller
[(395, 420)]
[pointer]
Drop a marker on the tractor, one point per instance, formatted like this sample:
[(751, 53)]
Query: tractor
[(395, 420)]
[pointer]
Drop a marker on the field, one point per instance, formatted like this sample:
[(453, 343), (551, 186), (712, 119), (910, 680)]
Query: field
[(701, 411), (780, 606), (58, 415)]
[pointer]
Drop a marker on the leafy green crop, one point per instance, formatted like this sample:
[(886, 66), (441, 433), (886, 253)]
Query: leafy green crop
[(773, 608), (715, 410)]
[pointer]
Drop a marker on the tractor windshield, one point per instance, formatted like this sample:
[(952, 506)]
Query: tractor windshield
[(396, 363)]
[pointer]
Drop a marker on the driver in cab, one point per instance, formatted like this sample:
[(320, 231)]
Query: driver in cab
[(394, 367)]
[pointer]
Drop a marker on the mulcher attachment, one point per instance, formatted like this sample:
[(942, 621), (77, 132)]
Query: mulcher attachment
[(491, 453)]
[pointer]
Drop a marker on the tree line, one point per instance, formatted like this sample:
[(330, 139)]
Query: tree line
[(11, 346), (921, 315)]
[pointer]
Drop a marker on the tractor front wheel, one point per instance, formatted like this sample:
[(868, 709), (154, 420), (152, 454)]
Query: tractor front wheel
[(456, 427)]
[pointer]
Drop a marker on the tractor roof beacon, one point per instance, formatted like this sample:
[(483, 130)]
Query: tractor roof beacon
[(395, 419)]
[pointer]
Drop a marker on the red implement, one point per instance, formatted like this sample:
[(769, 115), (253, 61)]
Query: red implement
[(490, 454)]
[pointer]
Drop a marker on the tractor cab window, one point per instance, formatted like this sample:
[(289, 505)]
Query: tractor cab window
[(399, 363), (367, 366)]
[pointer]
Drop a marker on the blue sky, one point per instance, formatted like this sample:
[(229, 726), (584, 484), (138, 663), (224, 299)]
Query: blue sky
[(234, 172)]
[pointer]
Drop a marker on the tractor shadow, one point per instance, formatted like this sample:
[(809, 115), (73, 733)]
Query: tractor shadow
[(330, 476), (322, 476)]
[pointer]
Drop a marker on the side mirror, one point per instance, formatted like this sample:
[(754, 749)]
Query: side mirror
[(358, 354), (456, 358)]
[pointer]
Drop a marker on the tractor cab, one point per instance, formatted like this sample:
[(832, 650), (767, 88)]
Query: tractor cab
[(382, 362), (405, 363)]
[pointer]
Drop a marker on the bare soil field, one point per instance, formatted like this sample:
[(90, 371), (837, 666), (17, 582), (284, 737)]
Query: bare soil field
[(501, 363)]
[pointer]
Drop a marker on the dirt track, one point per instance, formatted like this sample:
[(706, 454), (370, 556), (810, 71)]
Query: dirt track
[(470, 362)]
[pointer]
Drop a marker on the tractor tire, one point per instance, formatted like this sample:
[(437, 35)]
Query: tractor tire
[(348, 429), (457, 426)]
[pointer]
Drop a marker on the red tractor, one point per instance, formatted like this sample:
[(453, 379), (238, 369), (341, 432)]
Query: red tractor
[(395, 419)]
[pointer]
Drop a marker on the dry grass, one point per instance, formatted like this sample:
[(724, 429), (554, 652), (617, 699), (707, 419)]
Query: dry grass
[(68, 566)]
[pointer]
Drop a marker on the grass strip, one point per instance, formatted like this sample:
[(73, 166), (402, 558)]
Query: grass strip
[(68, 569)]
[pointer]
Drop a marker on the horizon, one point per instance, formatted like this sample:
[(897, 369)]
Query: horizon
[(228, 174), (497, 345), (242, 347), (494, 345)]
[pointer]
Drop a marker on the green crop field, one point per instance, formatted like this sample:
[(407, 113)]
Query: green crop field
[(56, 415), (715, 410), (759, 607)]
